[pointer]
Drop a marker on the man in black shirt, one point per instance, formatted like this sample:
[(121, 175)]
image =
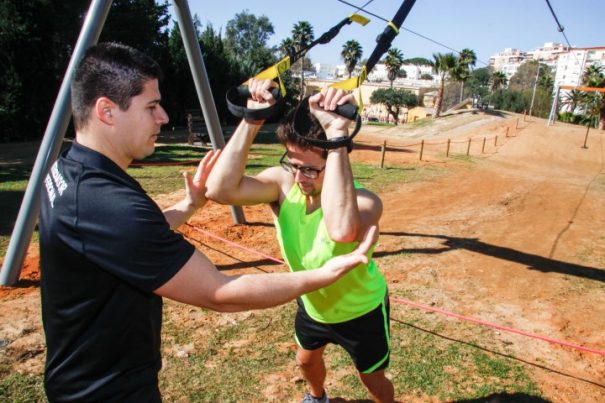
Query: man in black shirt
[(109, 254)]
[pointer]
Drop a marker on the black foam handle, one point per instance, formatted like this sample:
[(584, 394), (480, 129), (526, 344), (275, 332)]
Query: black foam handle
[(237, 101), (348, 111), (243, 92)]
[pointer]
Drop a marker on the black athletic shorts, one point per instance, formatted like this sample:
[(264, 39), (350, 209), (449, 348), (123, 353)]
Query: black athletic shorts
[(366, 339)]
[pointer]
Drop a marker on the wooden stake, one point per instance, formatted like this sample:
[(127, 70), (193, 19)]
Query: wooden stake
[(468, 148), (447, 151), (421, 149), (383, 152), (483, 146), (586, 137), (496, 140)]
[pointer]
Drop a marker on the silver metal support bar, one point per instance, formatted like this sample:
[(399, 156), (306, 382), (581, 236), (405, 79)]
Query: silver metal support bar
[(553, 110), (50, 147), (202, 86)]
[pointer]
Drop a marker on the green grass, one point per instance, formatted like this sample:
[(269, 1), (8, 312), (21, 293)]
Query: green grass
[(16, 387), (426, 361), (247, 356), (380, 124), (13, 182)]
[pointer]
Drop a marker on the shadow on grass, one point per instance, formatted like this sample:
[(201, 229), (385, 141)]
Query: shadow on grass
[(14, 173), (10, 202)]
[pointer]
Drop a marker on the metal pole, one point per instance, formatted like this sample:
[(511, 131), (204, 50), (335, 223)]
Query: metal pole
[(50, 146), (202, 86), (553, 109), (531, 107)]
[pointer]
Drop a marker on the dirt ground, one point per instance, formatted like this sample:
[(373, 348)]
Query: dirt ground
[(514, 237)]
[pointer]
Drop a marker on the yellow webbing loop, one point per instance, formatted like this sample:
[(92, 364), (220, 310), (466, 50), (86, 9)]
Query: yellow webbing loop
[(393, 26), (275, 71), (351, 83), (360, 19)]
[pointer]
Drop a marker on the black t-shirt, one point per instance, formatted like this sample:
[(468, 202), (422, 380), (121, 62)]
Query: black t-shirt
[(104, 246)]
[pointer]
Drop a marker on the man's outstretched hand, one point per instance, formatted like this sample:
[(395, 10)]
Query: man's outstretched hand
[(340, 265)]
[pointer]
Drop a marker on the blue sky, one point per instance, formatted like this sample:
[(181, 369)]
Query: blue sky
[(486, 26)]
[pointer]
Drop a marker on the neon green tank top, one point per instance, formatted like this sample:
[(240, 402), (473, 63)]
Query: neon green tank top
[(305, 244)]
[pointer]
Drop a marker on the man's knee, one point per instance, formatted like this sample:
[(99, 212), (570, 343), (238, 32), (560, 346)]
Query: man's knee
[(378, 384), (308, 359)]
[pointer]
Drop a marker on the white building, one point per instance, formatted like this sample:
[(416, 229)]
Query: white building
[(324, 71), (508, 61), (572, 64)]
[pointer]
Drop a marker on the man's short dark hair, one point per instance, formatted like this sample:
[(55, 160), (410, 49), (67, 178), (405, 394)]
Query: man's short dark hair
[(310, 127), (113, 70)]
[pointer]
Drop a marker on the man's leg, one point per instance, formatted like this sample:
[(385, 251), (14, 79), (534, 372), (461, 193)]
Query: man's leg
[(379, 386), (313, 368)]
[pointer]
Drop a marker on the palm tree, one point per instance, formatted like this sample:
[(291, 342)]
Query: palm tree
[(393, 63), (302, 36), (464, 65), (351, 54), (443, 64), (595, 105), (572, 100), (593, 76), (498, 80), (286, 47)]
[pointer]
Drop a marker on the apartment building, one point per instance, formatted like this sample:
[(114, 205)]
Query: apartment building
[(572, 64)]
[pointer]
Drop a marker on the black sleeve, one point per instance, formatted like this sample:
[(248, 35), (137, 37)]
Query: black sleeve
[(124, 232)]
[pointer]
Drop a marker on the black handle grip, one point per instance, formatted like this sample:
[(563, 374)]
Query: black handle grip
[(243, 92), (348, 111), (237, 101)]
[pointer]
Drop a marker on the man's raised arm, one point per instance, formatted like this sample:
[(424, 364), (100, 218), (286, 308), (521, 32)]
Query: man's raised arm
[(227, 183)]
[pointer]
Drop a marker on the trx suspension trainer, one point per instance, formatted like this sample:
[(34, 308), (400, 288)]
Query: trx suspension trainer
[(349, 111), (237, 96)]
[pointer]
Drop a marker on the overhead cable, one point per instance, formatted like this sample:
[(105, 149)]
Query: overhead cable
[(362, 9)]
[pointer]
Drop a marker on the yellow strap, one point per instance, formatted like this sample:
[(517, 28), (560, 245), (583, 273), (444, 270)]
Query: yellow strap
[(275, 71), (360, 19), (393, 26), (352, 83)]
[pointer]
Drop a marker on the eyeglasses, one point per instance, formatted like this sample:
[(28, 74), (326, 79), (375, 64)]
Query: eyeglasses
[(308, 172)]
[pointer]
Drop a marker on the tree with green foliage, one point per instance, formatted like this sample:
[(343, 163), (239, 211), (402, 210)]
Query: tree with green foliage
[(149, 18), (417, 61), (498, 80), (246, 37), (572, 100), (465, 62), (443, 65), (37, 40), (351, 54), (302, 36), (594, 77), (478, 83), (393, 62), (394, 99)]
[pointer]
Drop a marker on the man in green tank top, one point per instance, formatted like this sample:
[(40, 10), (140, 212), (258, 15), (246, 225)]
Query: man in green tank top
[(319, 212)]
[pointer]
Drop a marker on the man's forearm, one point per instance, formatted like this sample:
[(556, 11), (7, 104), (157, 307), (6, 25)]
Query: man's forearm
[(227, 174), (179, 213), (259, 291), (339, 198)]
